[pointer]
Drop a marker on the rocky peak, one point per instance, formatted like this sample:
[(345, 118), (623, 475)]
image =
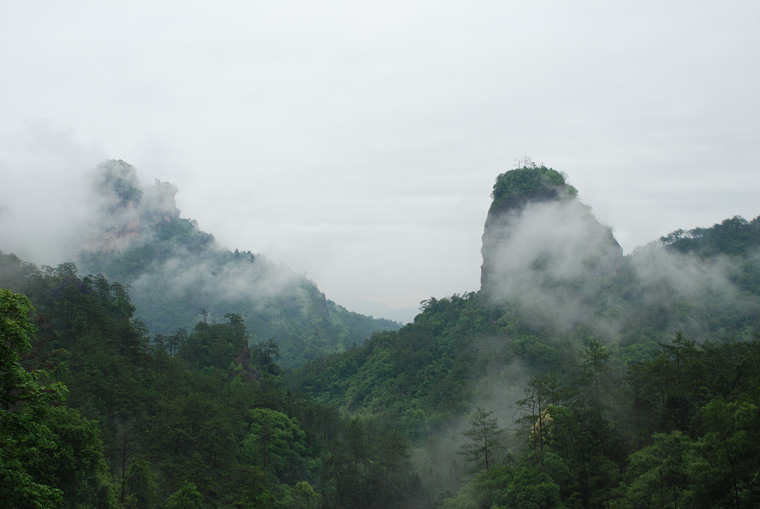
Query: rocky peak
[(127, 208), (539, 238)]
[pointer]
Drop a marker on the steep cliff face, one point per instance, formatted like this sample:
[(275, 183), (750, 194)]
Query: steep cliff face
[(541, 244)]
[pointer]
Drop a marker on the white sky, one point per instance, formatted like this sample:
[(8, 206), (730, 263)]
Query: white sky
[(357, 142)]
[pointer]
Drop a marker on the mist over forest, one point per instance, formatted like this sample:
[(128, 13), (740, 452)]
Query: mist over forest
[(153, 367), (178, 274)]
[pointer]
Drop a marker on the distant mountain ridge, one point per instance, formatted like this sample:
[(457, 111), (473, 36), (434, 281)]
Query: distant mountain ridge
[(177, 274)]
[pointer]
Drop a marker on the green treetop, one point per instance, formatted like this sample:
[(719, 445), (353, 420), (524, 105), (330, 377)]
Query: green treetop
[(529, 180)]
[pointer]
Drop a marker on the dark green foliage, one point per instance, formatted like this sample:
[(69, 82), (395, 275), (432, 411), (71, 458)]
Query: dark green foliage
[(369, 467), (77, 465), (484, 440), (505, 486), (186, 420), (581, 452), (216, 344), (142, 488), (734, 236)]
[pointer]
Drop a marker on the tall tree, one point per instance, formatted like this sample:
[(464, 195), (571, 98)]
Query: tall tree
[(541, 393), (484, 436)]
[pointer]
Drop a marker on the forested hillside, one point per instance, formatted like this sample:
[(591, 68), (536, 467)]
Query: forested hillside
[(178, 274), (581, 367), (575, 377), (198, 419)]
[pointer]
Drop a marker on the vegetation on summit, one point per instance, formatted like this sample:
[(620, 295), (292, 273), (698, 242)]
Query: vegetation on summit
[(529, 182)]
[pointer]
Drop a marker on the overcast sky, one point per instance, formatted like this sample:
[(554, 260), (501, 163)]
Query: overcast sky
[(358, 142)]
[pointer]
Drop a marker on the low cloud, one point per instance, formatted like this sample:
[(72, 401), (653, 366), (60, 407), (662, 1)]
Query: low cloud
[(549, 258), (45, 199), (562, 270)]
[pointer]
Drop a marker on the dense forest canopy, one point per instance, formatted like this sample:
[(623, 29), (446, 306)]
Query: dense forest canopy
[(575, 377), (200, 418)]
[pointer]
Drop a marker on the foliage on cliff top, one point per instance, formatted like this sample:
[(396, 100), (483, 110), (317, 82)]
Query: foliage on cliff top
[(529, 180)]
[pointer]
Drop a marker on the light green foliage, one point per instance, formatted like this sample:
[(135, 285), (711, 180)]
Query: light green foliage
[(305, 497), (277, 444), (186, 497), (16, 329), (465, 499), (425, 361), (718, 469), (528, 180), (50, 456), (24, 440)]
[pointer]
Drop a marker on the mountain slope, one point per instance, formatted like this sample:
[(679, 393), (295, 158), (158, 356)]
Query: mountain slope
[(203, 422), (573, 349), (177, 274), (553, 281)]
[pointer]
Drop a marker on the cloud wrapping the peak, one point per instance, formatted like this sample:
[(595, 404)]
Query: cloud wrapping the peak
[(549, 256), (562, 271)]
